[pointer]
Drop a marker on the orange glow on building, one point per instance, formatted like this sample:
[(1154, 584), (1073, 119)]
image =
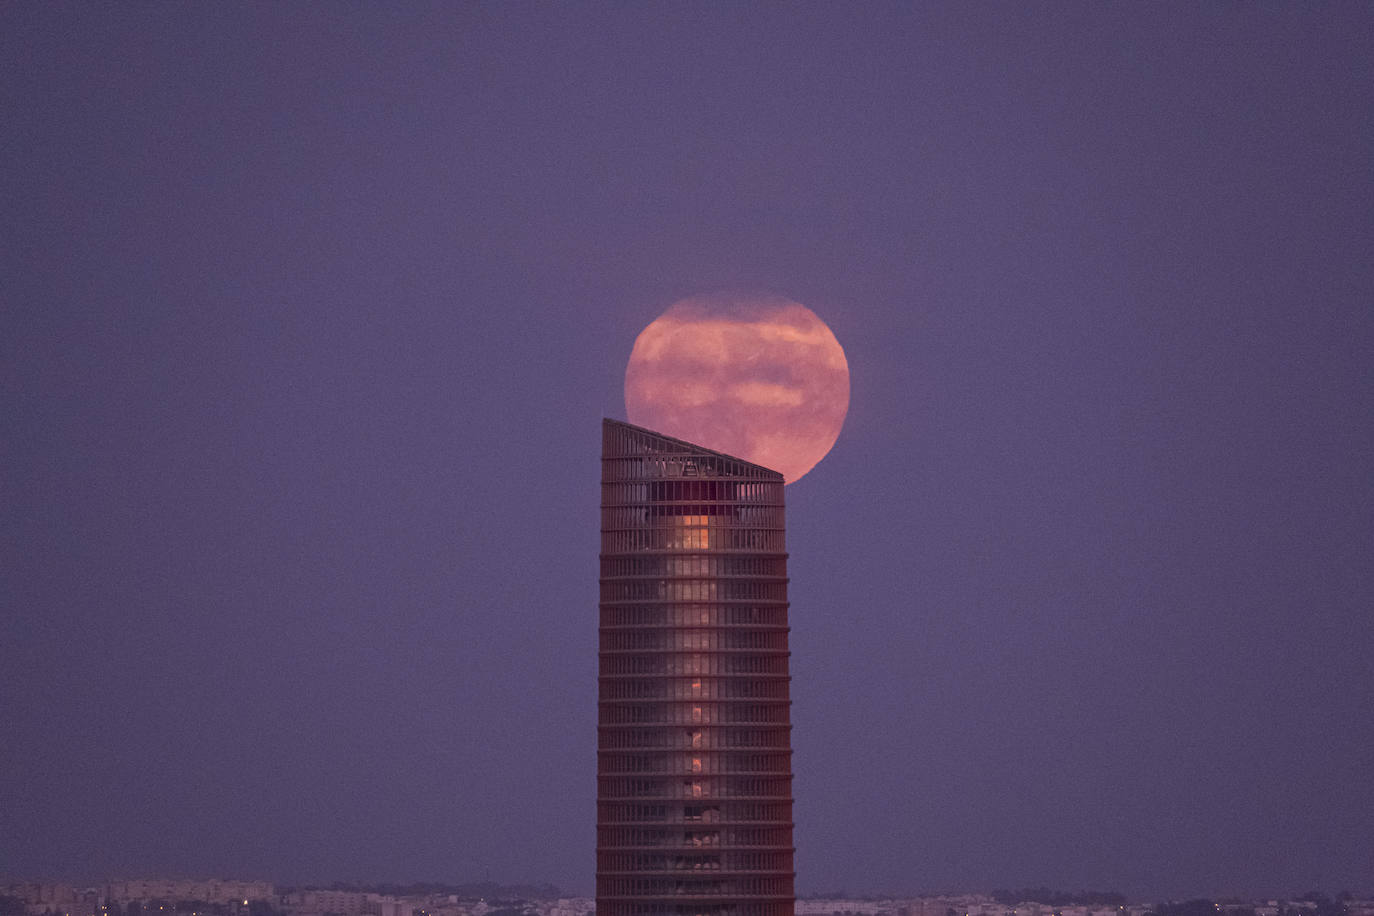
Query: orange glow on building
[(694, 775)]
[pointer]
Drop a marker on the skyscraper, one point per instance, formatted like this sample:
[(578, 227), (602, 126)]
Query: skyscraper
[(694, 770)]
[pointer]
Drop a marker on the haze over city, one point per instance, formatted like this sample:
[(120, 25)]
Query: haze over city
[(311, 314)]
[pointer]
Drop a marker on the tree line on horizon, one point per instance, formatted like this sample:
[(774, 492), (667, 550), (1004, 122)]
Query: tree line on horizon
[(485, 890), (1044, 895), (1317, 904)]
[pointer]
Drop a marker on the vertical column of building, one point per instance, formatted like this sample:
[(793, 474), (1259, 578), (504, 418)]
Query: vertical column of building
[(694, 800)]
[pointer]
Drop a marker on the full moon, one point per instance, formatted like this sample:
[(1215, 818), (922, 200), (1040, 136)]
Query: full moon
[(758, 377)]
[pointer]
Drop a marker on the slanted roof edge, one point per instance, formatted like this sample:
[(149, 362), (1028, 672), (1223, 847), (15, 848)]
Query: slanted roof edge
[(691, 446)]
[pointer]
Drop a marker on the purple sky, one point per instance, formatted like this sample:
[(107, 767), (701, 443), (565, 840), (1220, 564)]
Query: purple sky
[(309, 314)]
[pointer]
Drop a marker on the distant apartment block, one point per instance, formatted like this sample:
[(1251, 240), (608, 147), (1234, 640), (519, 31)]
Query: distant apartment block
[(210, 890)]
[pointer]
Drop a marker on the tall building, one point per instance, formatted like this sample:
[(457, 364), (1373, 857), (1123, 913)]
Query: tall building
[(694, 769)]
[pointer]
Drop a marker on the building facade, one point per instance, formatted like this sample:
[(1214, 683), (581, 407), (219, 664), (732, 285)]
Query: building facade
[(694, 770)]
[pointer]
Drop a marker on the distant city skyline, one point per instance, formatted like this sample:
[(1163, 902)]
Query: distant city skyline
[(437, 898)]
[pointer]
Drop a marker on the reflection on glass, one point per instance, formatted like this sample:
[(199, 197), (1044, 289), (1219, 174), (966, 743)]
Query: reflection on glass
[(690, 532), (693, 615)]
